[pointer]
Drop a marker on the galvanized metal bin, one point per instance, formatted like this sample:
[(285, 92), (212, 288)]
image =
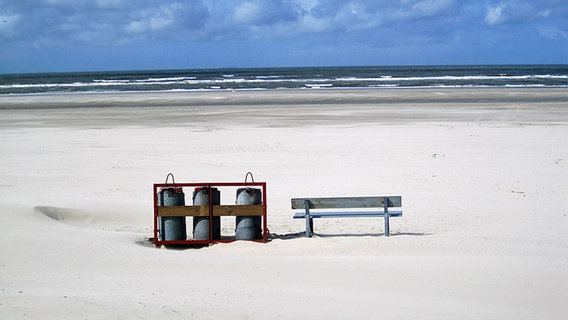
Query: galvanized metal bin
[(201, 224), (248, 227), (172, 228)]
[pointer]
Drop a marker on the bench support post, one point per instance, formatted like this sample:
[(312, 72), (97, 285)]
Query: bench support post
[(386, 207), (309, 220)]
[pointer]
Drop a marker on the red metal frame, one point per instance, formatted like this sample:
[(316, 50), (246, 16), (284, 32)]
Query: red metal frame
[(159, 242)]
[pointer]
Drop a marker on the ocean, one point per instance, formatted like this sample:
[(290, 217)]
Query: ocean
[(287, 78)]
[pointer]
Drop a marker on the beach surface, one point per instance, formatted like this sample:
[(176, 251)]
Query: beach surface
[(483, 173)]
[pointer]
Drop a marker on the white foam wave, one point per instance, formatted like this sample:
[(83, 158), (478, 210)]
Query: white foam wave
[(169, 79), (454, 78), (227, 80)]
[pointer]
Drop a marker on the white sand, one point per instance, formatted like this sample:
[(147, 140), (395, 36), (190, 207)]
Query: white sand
[(483, 174)]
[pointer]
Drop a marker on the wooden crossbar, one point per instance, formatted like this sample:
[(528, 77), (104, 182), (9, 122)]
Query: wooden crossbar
[(203, 211)]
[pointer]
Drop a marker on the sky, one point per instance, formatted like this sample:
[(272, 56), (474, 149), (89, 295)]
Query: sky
[(98, 35)]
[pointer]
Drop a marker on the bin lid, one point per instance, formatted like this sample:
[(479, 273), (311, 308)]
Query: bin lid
[(172, 189)]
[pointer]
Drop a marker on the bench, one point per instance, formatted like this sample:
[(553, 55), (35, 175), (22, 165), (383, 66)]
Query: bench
[(380, 205)]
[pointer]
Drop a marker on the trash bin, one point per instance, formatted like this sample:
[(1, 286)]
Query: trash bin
[(172, 228), (201, 224), (248, 227)]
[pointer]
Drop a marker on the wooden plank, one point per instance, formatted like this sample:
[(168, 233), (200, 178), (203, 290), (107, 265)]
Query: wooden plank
[(347, 202), (183, 211), (347, 214), (203, 211), (237, 210)]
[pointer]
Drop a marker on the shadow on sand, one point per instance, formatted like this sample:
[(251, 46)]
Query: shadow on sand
[(302, 234)]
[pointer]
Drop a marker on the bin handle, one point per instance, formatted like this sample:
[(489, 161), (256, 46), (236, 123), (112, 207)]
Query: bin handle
[(251, 177), (173, 181)]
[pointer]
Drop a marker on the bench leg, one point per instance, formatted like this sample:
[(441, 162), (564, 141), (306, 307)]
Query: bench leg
[(387, 227), (309, 226), (309, 220)]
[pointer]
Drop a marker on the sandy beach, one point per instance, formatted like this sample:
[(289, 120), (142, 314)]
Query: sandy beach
[(483, 174)]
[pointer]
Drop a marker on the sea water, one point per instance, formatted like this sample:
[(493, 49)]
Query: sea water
[(288, 78)]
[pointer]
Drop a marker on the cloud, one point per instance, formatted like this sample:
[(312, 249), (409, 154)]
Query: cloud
[(109, 22), (248, 12), (311, 24), (553, 32), (431, 8), (523, 12), (330, 26), (494, 14), (106, 22), (152, 21)]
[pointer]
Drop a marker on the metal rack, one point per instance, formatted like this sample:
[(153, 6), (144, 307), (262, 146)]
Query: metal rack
[(210, 211)]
